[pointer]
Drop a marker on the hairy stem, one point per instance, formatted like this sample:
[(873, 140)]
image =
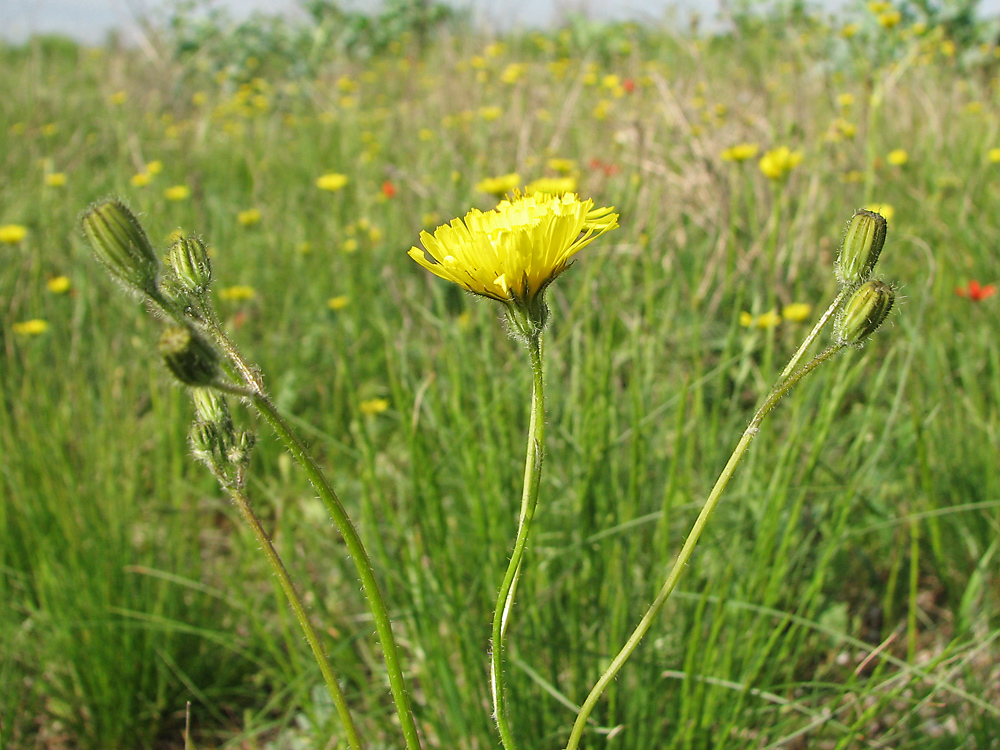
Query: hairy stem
[(529, 500), (353, 741)]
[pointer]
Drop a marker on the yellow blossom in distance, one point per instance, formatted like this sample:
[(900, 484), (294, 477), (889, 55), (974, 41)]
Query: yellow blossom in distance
[(373, 406), (898, 157), (59, 284), (740, 152), (769, 319), (237, 293), (339, 302), (331, 181), (778, 162), (249, 218), (796, 312), (154, 167), (554, 185), (11, 234), (889, 19), (177, 193), (140, 179), (885, 209), (34, 327), (514, 251), (563, 166), (55, 179), (993, 155), (499, 186)]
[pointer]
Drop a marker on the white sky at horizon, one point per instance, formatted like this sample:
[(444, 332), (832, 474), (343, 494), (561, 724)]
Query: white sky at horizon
[(90, 20)]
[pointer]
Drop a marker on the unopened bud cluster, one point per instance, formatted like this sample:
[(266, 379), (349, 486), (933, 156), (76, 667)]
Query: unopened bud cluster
[(191, 345), (868, 301), (215, 440)]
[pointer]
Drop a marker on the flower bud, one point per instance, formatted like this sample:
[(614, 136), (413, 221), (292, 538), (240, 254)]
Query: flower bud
[(121, 244), (862, 246), (239, 452), (189, 259), (210, 406), (864, 312), (189, 357), (204, 439)]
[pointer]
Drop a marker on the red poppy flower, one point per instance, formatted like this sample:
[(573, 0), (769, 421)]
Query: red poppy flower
[(976, 291), (629, 85), (608, 169), (388, 189)]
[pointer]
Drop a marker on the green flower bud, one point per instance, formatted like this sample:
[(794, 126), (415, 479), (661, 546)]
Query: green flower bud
[(862, 246), (121, 244), (189, 259), (864, 312), (205, 443), (210, 406), (239, 452), (191, 359)]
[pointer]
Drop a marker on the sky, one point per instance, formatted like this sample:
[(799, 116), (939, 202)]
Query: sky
[(90, 20)]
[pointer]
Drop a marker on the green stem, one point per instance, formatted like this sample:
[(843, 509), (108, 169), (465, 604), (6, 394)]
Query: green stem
[(685, 554), (353, 741), (369, 584), (794, 361), (358, 553), (529, 500)]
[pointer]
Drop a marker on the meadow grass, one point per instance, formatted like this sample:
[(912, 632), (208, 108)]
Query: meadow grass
[(845, 592)]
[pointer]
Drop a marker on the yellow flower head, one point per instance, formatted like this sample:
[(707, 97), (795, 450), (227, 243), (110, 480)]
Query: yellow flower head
[(562, 166), (993, 155), (514, 251), (898, 157), (740, 152), (237, 293), (249, 217), (11, 234), (554, 185), (34, 327), (331, 181), (59, 284), (177, 193), (777, 163), (373, 406), (499, 186), (55, 179), (796, 311), (339, 302), (140, 179), (885, 209)]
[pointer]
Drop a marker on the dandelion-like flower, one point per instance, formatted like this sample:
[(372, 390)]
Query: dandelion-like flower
[(11, 234), (498, 186), (740, 152), (777, 163), (513, 252), (177, 193), (35, 327), (331, 181)]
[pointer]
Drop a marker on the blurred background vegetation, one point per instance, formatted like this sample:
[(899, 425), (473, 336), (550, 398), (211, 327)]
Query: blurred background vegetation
[(846, 592)]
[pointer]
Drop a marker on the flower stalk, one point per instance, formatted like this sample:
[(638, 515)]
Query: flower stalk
[(529, 501)]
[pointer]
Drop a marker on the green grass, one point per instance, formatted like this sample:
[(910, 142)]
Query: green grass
[(866, 513)]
